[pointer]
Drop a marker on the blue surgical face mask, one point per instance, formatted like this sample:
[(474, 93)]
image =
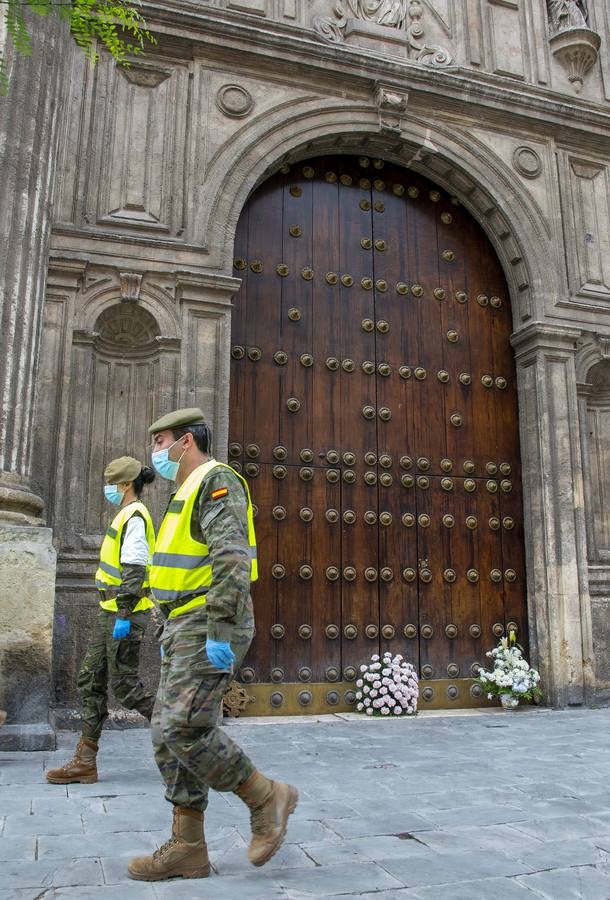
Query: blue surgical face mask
[(165, 466), (113, 494)]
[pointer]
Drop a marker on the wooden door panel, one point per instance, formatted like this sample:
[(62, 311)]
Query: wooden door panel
[(372, 364)]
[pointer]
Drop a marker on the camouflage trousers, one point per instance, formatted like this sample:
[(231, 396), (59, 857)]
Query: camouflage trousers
[(116, 662), (192, 752)]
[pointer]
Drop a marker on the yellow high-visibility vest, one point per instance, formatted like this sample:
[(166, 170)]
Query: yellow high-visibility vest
[(181, 569), (110, 572)]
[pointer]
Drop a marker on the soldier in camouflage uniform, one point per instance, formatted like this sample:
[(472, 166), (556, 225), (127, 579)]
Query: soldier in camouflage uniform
[(113, 652), (204, 560)]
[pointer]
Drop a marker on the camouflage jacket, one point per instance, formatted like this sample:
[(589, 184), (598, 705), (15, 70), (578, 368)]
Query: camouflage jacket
[(222, 524)]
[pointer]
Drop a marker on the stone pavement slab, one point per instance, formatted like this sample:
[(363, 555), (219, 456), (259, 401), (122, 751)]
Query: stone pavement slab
[(474, 806)]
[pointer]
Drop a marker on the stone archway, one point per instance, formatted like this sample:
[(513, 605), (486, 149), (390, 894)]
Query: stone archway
[(555, 535)]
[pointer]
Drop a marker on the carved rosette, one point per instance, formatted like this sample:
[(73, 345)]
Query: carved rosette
[(235, 700)]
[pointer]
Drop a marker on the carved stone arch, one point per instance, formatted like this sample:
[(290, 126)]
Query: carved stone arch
[(483, 183), (151, 301)]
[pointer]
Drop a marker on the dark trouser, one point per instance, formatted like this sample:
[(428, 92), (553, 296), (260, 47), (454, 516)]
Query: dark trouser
[(116, 661), (193, 753)]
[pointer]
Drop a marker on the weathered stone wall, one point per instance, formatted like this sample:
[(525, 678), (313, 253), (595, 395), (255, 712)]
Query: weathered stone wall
[(157, 161)]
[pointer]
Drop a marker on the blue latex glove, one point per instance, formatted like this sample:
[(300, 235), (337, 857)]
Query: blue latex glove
[(121, 629), (161, 652), (220, 654)]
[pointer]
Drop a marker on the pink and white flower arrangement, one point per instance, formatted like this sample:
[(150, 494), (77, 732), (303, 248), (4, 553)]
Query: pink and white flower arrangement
[(387, 686)]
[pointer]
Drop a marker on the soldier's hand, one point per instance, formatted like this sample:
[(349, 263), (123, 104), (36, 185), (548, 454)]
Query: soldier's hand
[(220, 654), (121, 629)]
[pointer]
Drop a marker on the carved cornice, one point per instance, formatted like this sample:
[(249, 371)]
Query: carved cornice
[(537, 336)]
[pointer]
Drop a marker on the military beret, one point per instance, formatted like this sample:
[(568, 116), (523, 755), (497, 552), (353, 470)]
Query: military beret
[(125, 468), (180, 417)]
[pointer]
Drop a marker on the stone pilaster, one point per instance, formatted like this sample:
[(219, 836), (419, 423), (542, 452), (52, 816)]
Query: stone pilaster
[(28, 139), (555, 533)]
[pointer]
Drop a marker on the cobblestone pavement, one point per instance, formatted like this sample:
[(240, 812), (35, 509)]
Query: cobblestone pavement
[(481, 804)]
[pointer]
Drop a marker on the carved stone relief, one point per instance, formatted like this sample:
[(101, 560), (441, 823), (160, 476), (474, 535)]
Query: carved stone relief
[(567, 14), (399, 17)]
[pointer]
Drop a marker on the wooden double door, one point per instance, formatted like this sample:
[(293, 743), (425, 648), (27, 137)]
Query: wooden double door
[(374, 414)]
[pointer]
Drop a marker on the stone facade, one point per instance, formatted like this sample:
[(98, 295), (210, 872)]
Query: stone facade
[(504, 103)]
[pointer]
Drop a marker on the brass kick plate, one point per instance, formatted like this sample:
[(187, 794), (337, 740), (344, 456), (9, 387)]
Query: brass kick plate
[(306, 699)]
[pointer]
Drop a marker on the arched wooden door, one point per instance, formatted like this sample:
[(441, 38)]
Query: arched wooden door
[(374, 413)]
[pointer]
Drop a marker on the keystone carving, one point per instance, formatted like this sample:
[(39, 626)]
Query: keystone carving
[(130, 286), (391, 107)]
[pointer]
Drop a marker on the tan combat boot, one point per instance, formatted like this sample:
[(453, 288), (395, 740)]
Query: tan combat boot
[(270, 802), (184, 855), (2, 717), (81, 769)]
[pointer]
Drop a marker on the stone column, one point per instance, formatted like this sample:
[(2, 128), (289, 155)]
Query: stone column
[(555, 532), (28, 150)]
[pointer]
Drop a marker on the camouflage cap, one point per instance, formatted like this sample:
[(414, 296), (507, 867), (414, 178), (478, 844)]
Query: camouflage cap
[(177, 419), (125, 468)]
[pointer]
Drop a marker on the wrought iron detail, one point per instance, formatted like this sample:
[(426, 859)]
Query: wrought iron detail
[(332, 632), (278, 571), (388, 632), (306, 514), (305, 473), (278, 632), (305, 572), (332, 516), (475, 631), (409, 574), (426, 632), (350, 632), (371, 631), (279, 472)]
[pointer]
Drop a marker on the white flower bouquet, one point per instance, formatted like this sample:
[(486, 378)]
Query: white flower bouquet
[(511, 676), (387, 686)]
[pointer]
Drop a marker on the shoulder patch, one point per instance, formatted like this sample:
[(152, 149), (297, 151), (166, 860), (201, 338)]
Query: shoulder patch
[(219, 492)]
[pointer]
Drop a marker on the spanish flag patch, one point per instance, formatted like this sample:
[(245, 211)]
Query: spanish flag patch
[(220, 492)]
